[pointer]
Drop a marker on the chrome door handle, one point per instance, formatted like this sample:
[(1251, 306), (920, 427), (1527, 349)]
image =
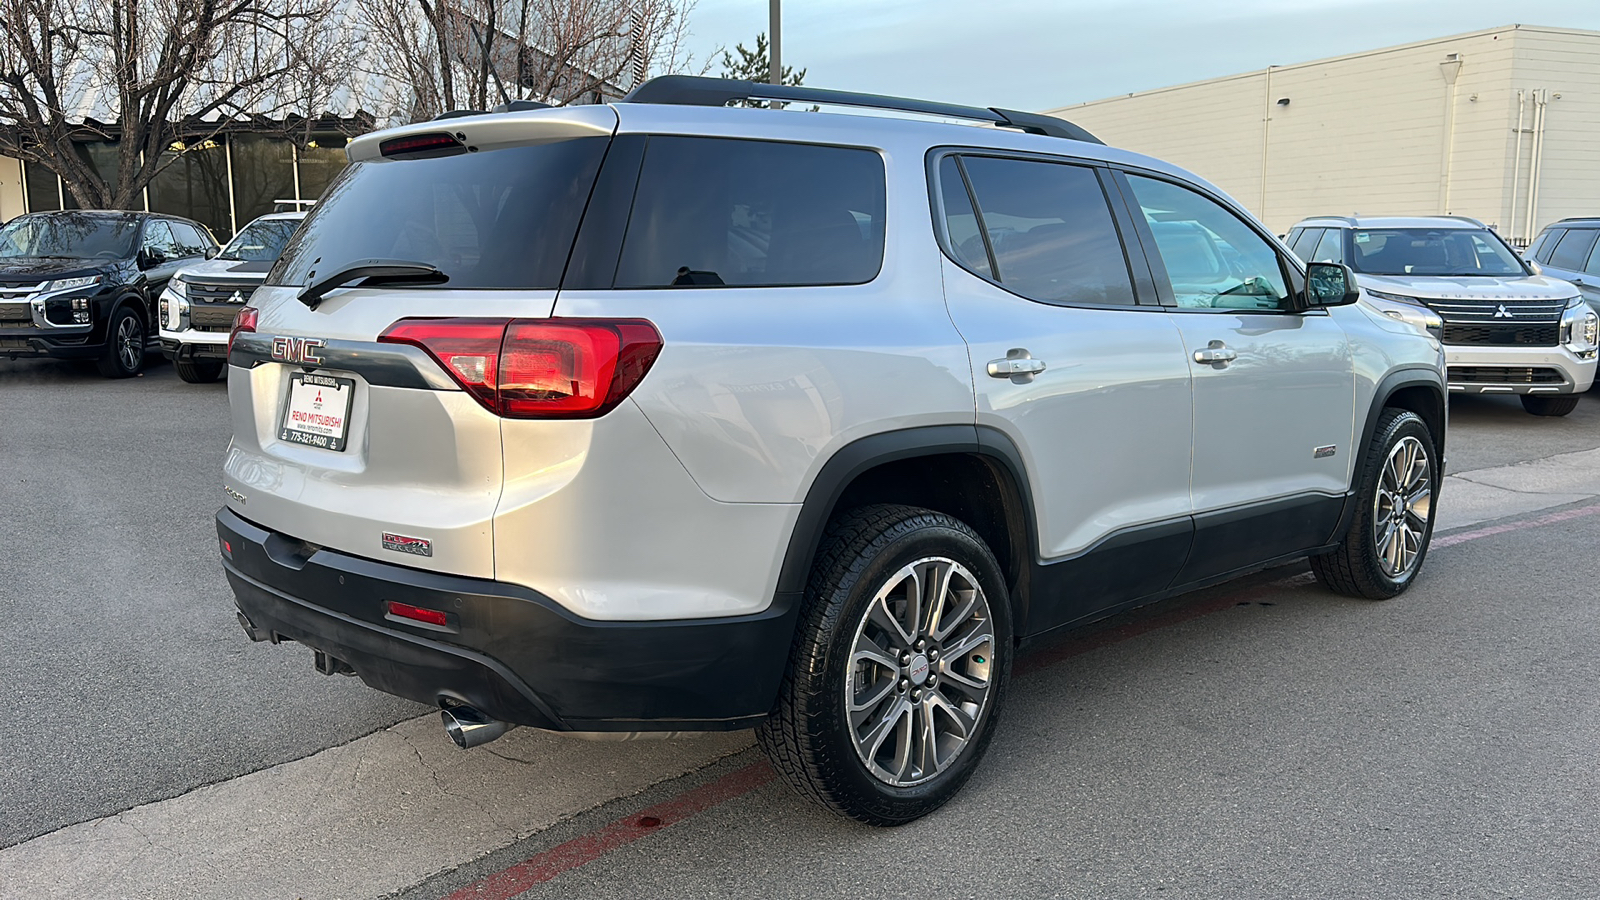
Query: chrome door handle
[(1216, 353), (1019, 366)]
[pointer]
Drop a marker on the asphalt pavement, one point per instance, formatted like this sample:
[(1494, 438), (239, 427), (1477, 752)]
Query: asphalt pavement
[(1260, 739)]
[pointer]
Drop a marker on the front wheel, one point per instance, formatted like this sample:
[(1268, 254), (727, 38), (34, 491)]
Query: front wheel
[(898, 669), (125, 346), (1549, 404), (1388, 538), (198, 372)]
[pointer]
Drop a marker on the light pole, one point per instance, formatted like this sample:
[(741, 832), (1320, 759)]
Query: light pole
[(775, 27)]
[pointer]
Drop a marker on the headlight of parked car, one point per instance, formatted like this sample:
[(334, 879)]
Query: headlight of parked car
[(1580, 329), (1415, 311), (71, 284)]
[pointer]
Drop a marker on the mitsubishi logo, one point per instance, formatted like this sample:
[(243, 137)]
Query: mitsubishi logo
[(1502, 313), (236, 298)]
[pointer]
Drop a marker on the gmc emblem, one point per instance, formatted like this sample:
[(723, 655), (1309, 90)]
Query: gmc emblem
[(297, 350)]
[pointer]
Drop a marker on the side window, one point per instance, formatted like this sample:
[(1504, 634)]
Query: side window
[(189, 241), (1330, 248), (1213, 259), (1593, 266), (1574, 249), (1050, 230), (157, 236), (718, 211), (1544, 243), (961, 220), (1305, 243)]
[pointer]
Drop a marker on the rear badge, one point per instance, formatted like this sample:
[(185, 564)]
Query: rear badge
[(1324, 452), (402, 544), (233, 494)]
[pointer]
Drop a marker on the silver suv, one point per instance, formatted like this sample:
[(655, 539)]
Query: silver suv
[(199, 304), (665, 415), (1506, 328)]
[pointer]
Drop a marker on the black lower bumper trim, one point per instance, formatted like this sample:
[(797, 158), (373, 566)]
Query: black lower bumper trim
[(510, 651)]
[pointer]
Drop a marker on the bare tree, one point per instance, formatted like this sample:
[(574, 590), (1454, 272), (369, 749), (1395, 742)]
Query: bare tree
[(152, 75), (451, 54)]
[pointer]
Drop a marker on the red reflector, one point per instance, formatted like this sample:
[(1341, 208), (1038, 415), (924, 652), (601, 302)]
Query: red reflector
[(407, 611), (244, 320), (421, 146), (227, 548), (538, 368)]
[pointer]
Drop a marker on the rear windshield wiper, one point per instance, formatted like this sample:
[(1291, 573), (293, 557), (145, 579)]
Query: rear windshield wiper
[(375, 271)]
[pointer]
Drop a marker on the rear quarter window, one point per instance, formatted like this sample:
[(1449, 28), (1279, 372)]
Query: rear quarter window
[(721, 211), (496, 219)]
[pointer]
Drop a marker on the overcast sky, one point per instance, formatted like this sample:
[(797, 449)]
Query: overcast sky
[(1049, 53)]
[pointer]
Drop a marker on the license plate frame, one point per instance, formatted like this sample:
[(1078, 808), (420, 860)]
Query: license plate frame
[(308, 431)]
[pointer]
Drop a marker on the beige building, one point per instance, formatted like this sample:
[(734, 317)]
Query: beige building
[(1502, 125)]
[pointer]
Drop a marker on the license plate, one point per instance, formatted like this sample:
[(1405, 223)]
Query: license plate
[(317, 413)]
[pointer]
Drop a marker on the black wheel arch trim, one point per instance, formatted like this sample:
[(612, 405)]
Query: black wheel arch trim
[(1392, 383), (863, 454)]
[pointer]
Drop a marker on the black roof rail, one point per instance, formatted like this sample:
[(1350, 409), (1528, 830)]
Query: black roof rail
[(694, 90), (520, 106), (458, 113)]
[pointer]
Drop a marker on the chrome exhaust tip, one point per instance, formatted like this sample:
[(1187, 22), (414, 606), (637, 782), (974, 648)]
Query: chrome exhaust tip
[(470, 728)]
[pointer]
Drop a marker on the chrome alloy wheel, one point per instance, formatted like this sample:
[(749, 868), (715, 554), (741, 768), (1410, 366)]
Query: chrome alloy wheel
[(920, 669), (130, 343), (1402, 506)]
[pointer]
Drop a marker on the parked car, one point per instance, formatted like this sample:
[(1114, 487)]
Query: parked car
[(199, 304), (81, 284), (666, 415), (1567, 250), (1506, 328)]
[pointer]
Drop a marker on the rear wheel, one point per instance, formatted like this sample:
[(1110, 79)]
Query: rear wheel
[(898, 669), (198, 372), (1388, 539), (125, 345), (1549, 404)]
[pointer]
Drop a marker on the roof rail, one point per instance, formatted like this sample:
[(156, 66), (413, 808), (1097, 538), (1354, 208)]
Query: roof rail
[(1351, 220), (694, 90), (1477, 222), (1577, 219)]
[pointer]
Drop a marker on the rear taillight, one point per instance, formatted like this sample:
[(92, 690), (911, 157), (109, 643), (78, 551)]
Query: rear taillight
[(538, 368), (244, 321)]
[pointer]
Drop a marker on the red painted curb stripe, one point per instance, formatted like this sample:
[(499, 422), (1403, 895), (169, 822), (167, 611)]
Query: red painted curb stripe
[(1450, 540), (579, 851)]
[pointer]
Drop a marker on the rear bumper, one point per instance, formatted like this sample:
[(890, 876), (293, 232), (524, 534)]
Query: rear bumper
[(506, 650)]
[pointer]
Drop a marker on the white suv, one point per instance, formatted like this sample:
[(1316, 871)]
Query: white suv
[(664, 415), (1507, 329)]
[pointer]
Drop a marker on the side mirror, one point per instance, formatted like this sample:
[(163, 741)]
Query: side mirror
[(1330, 284), (211, 252), (1534, 267)]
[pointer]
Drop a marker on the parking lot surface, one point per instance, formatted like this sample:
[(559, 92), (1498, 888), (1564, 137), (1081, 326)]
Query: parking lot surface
[(1263, 738)]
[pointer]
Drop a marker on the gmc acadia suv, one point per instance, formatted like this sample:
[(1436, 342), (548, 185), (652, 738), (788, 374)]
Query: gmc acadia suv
[(663, 415), (1506, 328)]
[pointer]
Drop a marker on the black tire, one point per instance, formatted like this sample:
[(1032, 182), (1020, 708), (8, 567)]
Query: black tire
[(810, 738), (1549, 404), (1355, 568), (125, 345), (199, 372)]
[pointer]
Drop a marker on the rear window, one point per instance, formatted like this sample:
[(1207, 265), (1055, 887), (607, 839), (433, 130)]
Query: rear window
[(718, 211), (497, 219), (1574, 249)]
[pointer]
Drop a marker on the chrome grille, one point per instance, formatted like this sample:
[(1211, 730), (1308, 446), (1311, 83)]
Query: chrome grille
[(210, 292), (1504, 375), (1500, 322)]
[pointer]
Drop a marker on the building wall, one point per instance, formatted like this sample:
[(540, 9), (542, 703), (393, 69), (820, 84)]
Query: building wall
[(1378, 132), (11, 202)]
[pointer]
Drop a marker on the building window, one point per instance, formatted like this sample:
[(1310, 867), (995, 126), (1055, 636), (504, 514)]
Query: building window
[(194, 184), (322, 159), (43, 189), (263, 172)]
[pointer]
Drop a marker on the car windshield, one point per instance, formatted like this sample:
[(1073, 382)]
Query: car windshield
[(69, 236), (260, 241), (1432, 251), (496, 219)]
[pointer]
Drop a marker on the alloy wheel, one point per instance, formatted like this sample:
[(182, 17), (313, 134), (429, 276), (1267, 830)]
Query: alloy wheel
[(1402, 506), (920, 672), (130, 343)]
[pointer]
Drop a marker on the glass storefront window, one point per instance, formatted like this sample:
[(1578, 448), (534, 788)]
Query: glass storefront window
[(101, 155), (194, 185), (44, 192), (263, 171), (320, 160)]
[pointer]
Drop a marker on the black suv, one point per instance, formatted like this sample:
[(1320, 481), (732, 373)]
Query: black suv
[(82, 284)]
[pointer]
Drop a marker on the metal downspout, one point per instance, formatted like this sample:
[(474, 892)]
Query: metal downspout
[(1516, 167), (1450, 68)]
